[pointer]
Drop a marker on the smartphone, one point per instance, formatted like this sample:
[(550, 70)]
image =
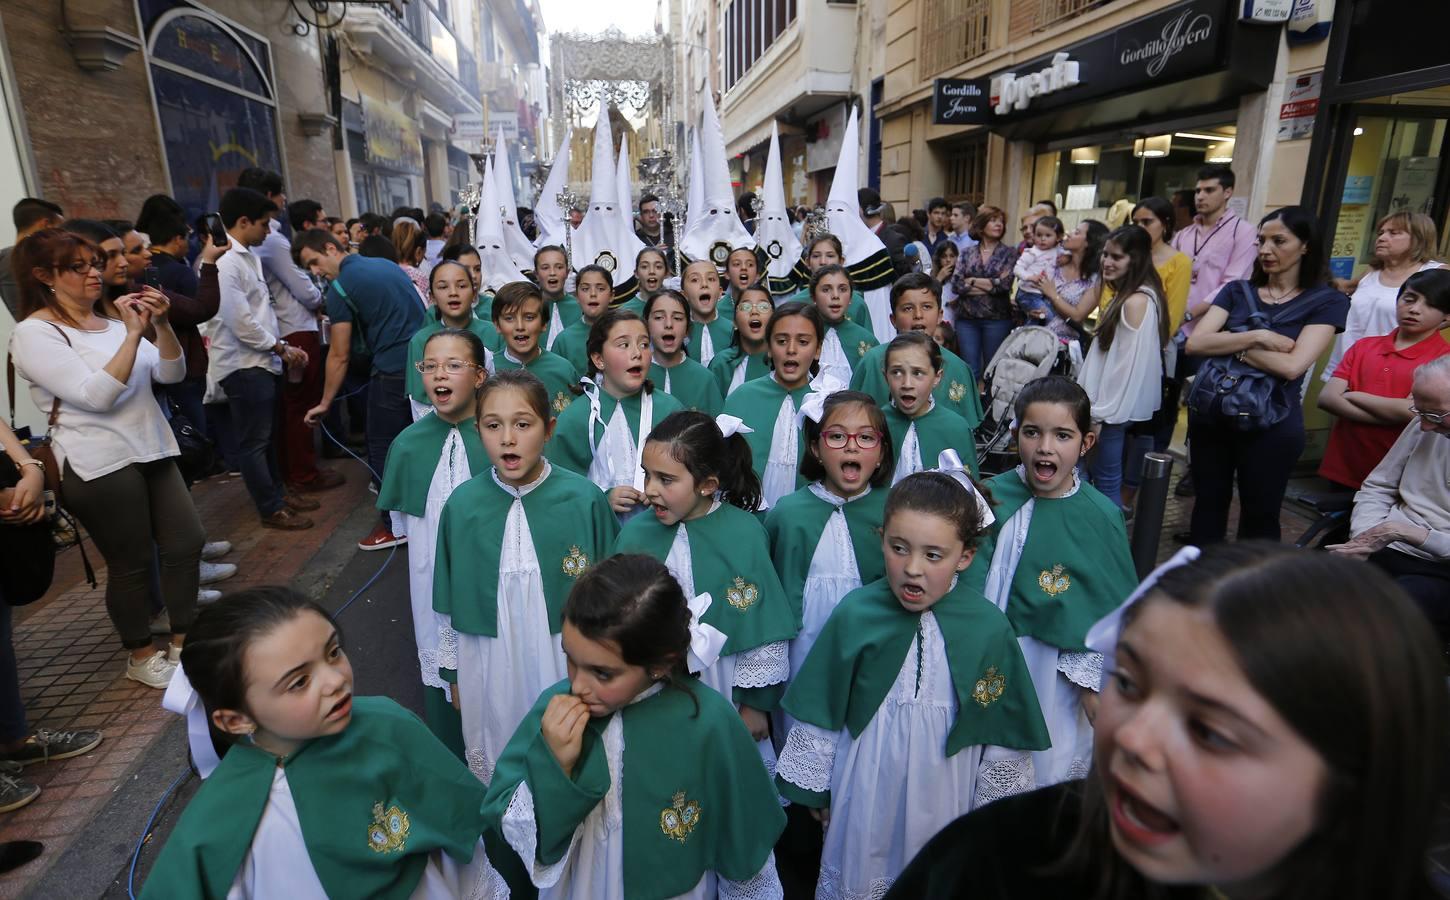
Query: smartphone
[(150, 278), (217, 231)]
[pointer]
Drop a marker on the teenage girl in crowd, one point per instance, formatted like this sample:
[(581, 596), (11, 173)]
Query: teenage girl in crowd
[(914, 705), (1219, 768), (825, 538), (467, 255), (602, 436), (826, 251), (1055, 560), (427, 461), (746, 357), (920, 428), (521, 320), (845, 343), (703, 495), (710, 319), (770, 406), (650, 271), (511, 544), (632, 779), (453, 295), (318, 793), (595, 290), (667, 316)]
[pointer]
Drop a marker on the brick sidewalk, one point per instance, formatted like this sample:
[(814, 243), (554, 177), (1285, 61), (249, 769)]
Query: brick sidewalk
[(72, 664)]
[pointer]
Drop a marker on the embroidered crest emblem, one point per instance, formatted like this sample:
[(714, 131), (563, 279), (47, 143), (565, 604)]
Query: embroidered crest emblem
[(561, 401), (606, 261), (774, 249), (389, 829), (742, 595), (861, 349), (1054, 582), (720, 253), (989, 687), (576, 563), (680, 817), (956, 392)]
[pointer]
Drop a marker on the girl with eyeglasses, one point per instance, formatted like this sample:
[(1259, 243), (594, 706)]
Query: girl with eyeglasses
[(746, 357), (454, 295)]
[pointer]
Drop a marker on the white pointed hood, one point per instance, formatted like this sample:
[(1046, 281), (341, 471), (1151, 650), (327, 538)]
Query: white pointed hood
[(548, 215), (842, 207), (498, 267), (626, 189), (602, 239), (520, 250), (713, 229), (695, 190), (772, 227)]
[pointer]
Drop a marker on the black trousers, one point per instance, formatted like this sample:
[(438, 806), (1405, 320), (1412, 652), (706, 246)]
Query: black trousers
[(1259, 461), (1427, 581)]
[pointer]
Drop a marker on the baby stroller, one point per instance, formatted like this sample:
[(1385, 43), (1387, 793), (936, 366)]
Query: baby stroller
[(1028, 353)]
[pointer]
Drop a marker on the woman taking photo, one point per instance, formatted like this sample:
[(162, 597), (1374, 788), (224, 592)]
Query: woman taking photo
[(1123, 371), (93, 376), (1073, 287), (981, 282), (1287, 286)]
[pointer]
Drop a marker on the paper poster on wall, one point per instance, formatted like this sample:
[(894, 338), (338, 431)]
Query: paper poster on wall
[(1349, 231), (1081, 196), (1301, 104), (1415, 184), (1357, 189)]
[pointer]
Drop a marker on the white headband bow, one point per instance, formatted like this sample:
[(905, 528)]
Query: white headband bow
[(949, 463), (1103, 636), (706, 640), (182, 699), (813, 404), (732, 425)]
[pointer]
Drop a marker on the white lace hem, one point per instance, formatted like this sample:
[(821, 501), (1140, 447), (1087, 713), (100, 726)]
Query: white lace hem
[(428, 668), (1002, 773), (762, 666), (830, 887), (480, 764), (447, 657), (808, 758), (488, 884), (763, 885), (521, 831), (1083, 669)]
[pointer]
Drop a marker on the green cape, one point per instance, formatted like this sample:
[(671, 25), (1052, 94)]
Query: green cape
[(685, 749), (724, 363), (412, 378), (855, 341), (570, 446), (553, 370), (757, 404), (721, 330), (571, 525), (569, 311), (795, 527), (857, 311), (936, 430), (413, 458), (855, 661), (957, 391), (691, 384), (572, 345), (385, 767), (1075, 567)]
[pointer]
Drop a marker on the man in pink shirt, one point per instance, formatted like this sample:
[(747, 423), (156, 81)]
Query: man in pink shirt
[(1222, 247)]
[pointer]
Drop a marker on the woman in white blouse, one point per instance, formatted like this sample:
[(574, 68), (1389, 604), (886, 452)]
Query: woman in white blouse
[(1123, 370), (93, 376)]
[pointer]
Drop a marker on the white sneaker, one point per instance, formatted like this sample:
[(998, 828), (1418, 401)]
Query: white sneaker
[(213, 549), (203, 597), (153, 671), (214, 572), (173, 655)]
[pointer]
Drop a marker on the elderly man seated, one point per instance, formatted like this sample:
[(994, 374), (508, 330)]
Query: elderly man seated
[(1401, 519)]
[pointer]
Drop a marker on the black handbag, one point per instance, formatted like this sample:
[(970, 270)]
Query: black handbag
[(1230, 393), (27, 552), (198, 453)]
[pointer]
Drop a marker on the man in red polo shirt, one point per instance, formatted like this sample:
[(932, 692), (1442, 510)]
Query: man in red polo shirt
[(1369, 392)]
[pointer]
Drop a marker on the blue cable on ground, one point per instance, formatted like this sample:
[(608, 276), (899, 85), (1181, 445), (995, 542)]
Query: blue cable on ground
[(151, 821)]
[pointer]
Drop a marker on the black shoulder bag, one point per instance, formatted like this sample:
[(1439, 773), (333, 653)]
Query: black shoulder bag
[(1230, 393)]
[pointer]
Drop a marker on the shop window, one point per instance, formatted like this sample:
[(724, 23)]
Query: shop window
[(967, 173), (216, 104), (1050, 12), (953, 32), (751, 27)]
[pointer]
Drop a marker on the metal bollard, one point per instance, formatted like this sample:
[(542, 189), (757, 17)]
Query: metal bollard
[(1152, 503)]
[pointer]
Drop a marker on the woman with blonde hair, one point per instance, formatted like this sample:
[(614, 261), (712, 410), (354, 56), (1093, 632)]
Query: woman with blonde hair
[(411, 242), (1404, 244)]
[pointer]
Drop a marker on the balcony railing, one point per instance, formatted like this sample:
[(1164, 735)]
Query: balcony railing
[(1050, 12), (952, 32)]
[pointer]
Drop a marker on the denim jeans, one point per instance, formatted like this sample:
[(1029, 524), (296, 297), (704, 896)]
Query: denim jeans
[(978, 340), (252, 396), (388, 415), (1107, 463)]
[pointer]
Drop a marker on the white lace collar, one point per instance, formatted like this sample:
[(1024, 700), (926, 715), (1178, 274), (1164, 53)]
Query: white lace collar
[(521, 492), (819, 489), (1076, 483)]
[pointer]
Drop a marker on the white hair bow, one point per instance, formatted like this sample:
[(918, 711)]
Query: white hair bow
[(706, 640), (813, 404), (182, 699), (732, 425), (949, 463), (1103, 636)]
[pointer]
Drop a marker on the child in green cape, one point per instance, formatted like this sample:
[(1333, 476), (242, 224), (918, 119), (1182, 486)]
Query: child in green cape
[(519, 315), (551, 268), (455, 299), (845, 343), (631, 779), (825, 250), (594, 287), (914, 705), (318, 794), (667, 316), (650, 270), (710, 322), (746, 357), (426, 463), (920, 428)]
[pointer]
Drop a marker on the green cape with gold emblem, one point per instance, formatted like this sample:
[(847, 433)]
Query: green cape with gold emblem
[(413, 458), (552, 369), (956, 392), (373, 801)]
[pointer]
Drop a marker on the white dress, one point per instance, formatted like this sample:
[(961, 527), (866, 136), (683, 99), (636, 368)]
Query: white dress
[(833, 358), (593, 866), (422, 536), (1371, 314), (909, 461), (783, 461), (1058, 676), (892, 789), (1126, 381), (500, 678), (617, 455), (277, 864)]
